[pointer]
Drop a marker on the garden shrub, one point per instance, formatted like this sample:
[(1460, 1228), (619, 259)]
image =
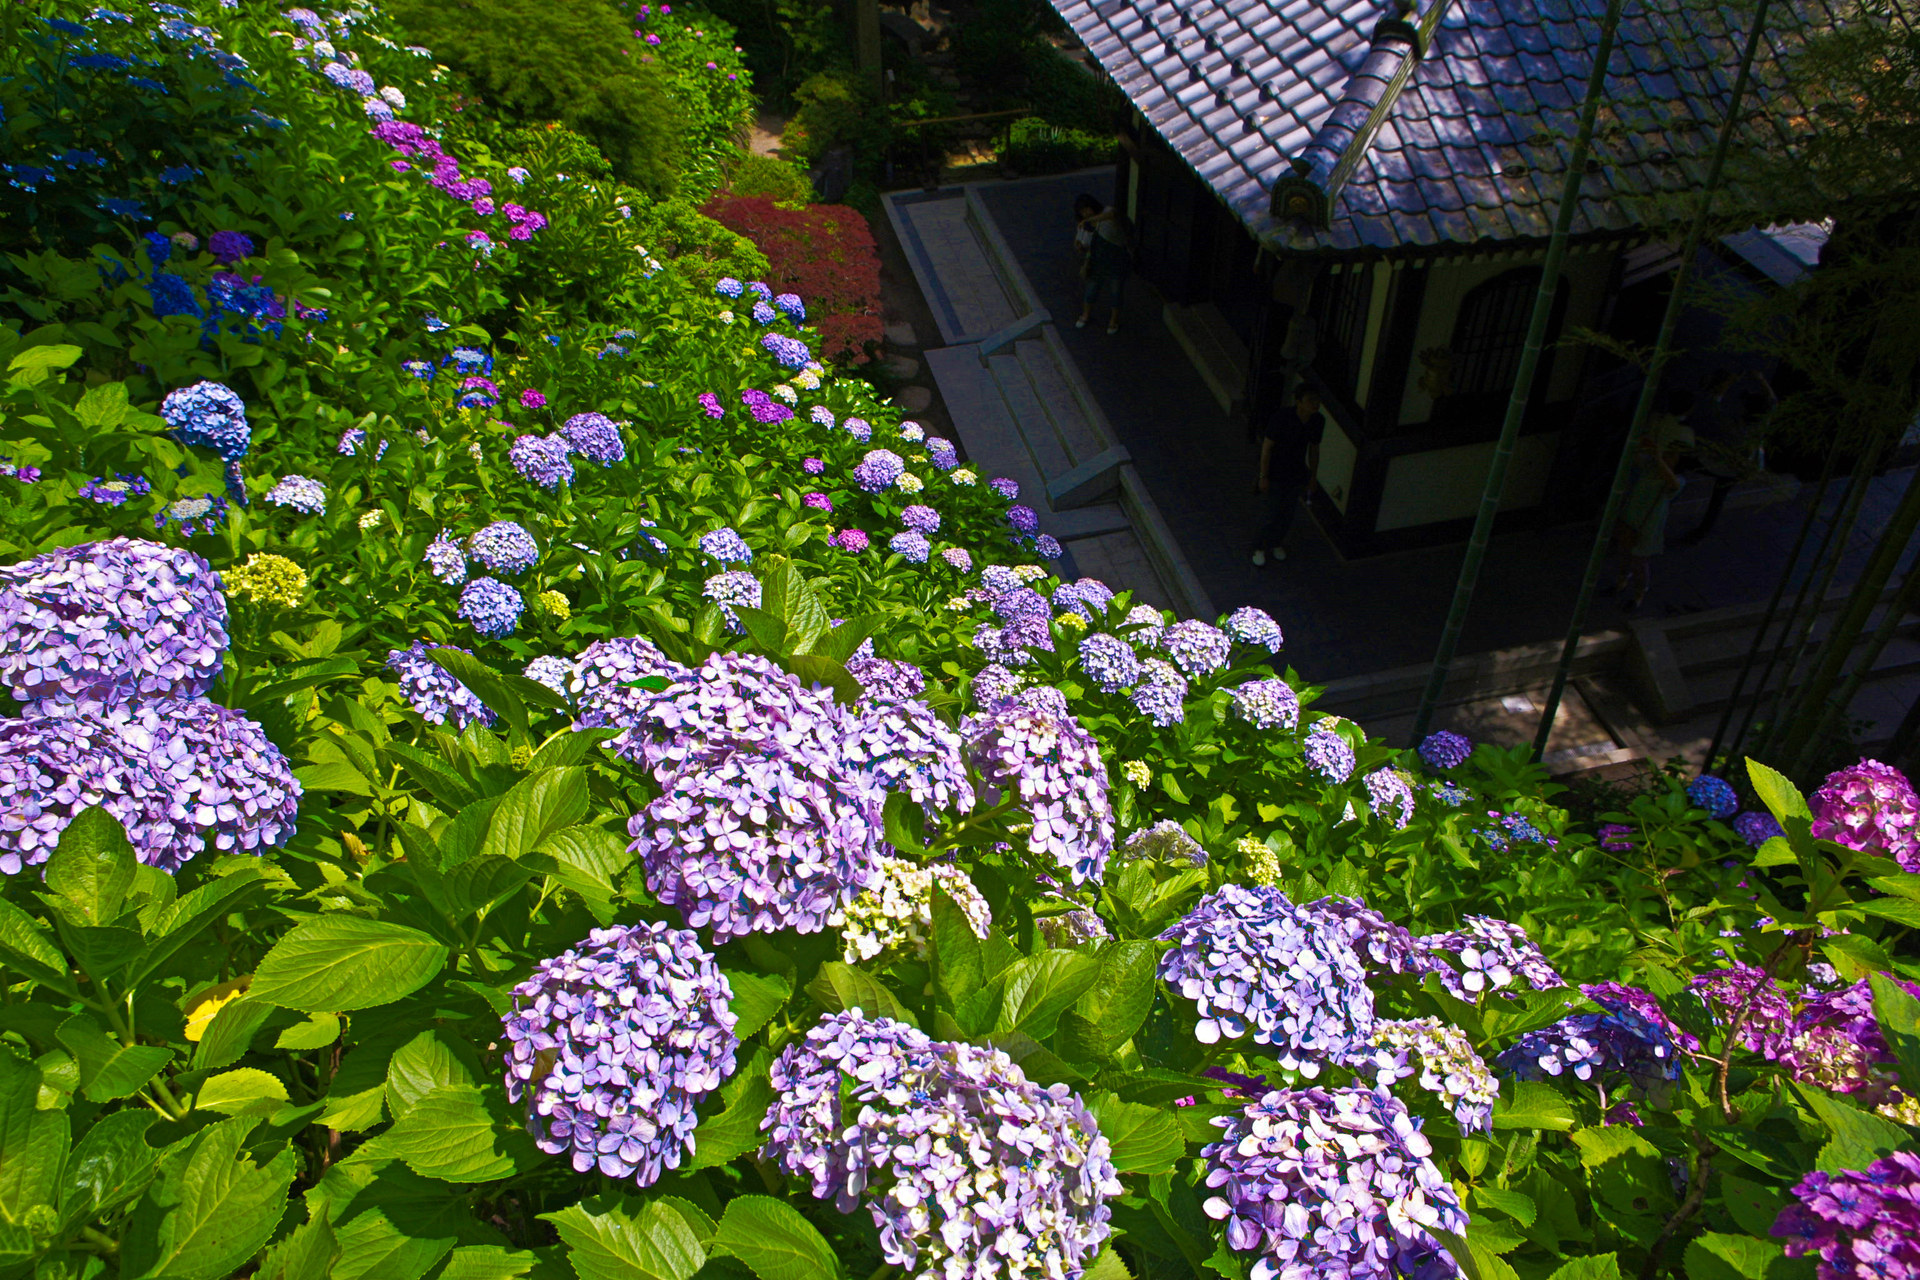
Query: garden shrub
[(1034, 146), (510, 773), (824, 253), (771, 178), (835, 108)]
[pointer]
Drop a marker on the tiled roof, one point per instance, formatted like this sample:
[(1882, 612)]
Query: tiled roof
[(1474, 144)]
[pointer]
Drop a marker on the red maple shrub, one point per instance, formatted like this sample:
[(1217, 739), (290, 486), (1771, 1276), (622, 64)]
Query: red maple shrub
[(825, 253)]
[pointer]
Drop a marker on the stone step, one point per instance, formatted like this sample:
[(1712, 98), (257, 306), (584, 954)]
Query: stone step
[(1707, 651), (1029, 414), (1077, 435)]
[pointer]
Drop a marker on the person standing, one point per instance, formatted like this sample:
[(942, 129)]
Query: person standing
[(1101, 233), (1289, 461)]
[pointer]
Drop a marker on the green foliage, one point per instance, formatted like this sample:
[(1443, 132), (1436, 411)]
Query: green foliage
[(1034, 146), (835, 108), (771, 178)]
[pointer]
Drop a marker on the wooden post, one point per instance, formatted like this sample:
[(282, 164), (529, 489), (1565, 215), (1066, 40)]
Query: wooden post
[(866, 32)]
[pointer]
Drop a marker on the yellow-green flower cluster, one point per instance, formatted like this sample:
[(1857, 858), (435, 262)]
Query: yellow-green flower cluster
[(267, 579), (1259, 862), (554, 605)]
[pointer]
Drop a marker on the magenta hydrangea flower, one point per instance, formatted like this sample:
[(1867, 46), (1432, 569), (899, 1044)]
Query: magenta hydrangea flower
[(1871, 807), (813, 466), (1857, 1222), (710, 405), (850, 540), (921, 519), (818, 501)]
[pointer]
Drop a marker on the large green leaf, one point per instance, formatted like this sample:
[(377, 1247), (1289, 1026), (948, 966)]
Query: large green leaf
[(1533, 1106), (1859, 1137), (109, 1069), (452, 1134), (535, 808), (307, 1254), (92, 867), (110, 1166), (374, 1247), (1144, 1138), (191, 915), (338, 962), (756, 998), (735, 1131), (610, 1238), (239, 1090), (1717, 1255), (1777, 792), (1598, 1266), (1898, 1014), (211, 1209), (25, 947), (771, 1237), (1121, 995), (1040, 988), (958, 967), (841, 986), (33, 1143), (431, 1059), (588, 860)]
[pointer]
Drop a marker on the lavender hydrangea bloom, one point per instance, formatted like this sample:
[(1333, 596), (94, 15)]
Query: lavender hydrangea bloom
[(1870, 807), (550, 671), (993, 686), (755, 842), (1756, 828), (542, 460), (1327, 753), (1448, 1067), (726, 546), (1108, 661), (873, 1110), (731, 702), (1253, 961), (1331, 1182), (1197, 648), (1145, 625), (1023, 519), (446, 560), (728, 287), (491, 606), (1048, 547), (734, 587), (1389, 796), (788, 352), (1161, 695), (1617, 997), (921, 519), (1088, 597), (860, 429), (887, 679), (432, 691), (595, 437), (1008, 489), (1715, 795), (1031, 747), (1858, 1222), (300, 493), (1256, 627), (878, 470), (789, 305), (209, 415), (1492, 955), (600, 679), (1165, 841), (903, 746), (1266, 704), (612, 1046), (913, 546), (178, 774), (504, 547), (1378, 940), (1590, 1045), (1445, 749), (942, 454), (108, 621)]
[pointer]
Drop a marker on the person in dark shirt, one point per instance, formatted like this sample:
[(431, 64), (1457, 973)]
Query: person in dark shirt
[(1289, 460)]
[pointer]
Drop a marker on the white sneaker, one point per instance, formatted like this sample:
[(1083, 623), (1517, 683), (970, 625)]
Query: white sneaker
[(1081, 323), (1259, 559), (1279, 553)]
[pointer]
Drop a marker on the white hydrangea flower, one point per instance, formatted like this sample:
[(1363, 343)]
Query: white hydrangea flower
[(1029, 572), (786, 394), (896, 910), (807, 380), (726, 317), (909, 483), (395, 99)]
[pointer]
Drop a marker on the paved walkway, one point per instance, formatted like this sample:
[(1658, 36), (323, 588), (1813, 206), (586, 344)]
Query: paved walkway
[(1342, 617)]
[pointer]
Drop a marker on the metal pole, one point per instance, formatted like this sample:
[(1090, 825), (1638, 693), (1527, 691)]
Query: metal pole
[(1643, 408), (1496, 483)]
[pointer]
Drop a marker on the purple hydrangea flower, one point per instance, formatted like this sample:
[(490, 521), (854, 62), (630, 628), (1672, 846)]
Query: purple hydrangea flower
[(850, 540), (858, 428), (993, 686), (612, 1046), (789, 305), (1491, 955), (731, 702), (550, 671), (728, 287), (600, 677), (902, 745), (491, 606), (757, 288), (1756, 828), (878, 470), (914, 546), (1327, 753), (1023, 519), (446, 560), (758, 842), (300, 493), (1448, 1067), (1266, 704), (1197, 648), (734, 587), (921, 519), (1615, 997), (595, 437), (726, 546), (228, 247), (208, 415), (105, 622), (1615, 837), (542, 460), (1144, 625), (818, 501), (180, 774), (1253, 961), (1008, 489), (1089, 597), (886, 679), (764, 314), (115, 492), (1331, 1182), (1048, 547), (1445, 749), (1108, 661), (942, 454), (964, 1164), (504, 547), (1255, 627), (1593, 1046), (1030, 747), (813, 466), (1870, 807), (432, 691), (1857, 1222), (1715, 795), (957, 558), (710, 405), (790, 353), (765, 409), (1161, 695), (1389, 796)]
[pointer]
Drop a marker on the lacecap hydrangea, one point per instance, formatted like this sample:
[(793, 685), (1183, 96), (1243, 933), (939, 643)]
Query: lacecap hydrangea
[(612, 1046)]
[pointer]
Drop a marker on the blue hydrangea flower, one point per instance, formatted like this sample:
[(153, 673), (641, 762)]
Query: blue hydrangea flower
[(1445, 749), (173, 296), (1109, 661), (491, 606), (878, 470), (1715, 795), (1266, 704), (209, 415), (1327, 753), (300, 493), (595, 437), (504, 547), (728, 287), (914, 546), (1756, 828), (764, 314), (430, 690), (542, 460), (469, 361), (789, 305), (791, 353), (726, 546), (734, 587)]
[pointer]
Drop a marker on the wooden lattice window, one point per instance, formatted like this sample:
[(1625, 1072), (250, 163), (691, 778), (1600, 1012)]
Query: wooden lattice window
[(1346, 316), (1490, 332)]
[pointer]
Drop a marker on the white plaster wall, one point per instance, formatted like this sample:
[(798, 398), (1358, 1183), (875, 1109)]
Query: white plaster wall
[(1337, 456), (1445, 484)]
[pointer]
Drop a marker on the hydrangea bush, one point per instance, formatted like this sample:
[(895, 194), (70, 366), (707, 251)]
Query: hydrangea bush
[(513, 764)]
